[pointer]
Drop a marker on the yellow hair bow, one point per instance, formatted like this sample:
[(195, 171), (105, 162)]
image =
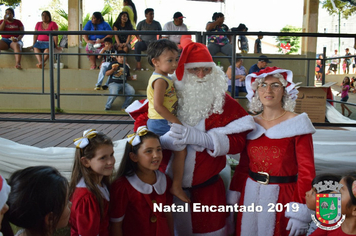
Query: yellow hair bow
[(135, 137), (82, 142)]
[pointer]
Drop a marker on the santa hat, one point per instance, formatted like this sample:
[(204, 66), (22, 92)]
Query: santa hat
[(193, 55), (4, 191), (252, 80), (138, 110)]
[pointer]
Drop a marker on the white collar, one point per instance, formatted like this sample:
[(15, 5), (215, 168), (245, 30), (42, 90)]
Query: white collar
[(160, 185), (104, 190), (297, 125)]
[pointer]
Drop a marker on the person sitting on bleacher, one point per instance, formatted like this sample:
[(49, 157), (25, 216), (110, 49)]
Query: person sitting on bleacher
[(9, 40)]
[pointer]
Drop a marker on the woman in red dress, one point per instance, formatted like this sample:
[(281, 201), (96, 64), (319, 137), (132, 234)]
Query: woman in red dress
[(277, 166)]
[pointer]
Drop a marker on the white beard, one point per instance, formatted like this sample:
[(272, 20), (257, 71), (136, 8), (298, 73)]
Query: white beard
[(200, 98)]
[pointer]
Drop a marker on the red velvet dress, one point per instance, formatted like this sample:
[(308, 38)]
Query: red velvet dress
[(283, 150), (85, 213), (132, 202)]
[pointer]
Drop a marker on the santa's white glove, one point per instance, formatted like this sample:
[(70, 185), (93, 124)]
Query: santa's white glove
[(167, 142), (299, 220), (297, 227), (190, 135)]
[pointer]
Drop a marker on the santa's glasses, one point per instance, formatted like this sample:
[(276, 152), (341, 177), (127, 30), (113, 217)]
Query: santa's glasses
[(200, 71), (274, 87)]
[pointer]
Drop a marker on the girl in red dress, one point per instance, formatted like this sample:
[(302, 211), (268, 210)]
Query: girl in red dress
[(139, 188), (93, 166)]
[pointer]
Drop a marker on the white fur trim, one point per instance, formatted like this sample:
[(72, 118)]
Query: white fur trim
[(199, 64), (182, 220), (160, 186), (221, 144), (236, 126), (232, 197), (259, 223), (303, 214), (135, 106), (295, 126), (219, 135)]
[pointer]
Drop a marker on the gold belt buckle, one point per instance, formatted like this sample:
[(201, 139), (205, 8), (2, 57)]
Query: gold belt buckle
[(267, 177)]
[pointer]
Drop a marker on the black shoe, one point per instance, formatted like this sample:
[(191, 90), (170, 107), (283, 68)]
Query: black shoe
[(104, 87), (107, 109)]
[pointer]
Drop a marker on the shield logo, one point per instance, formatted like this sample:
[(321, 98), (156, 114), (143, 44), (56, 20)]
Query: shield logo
[(328, 208)]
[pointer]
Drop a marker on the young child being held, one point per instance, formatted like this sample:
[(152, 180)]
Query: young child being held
[(161, 94), (348, 208), (88, 190), (138, 187), (107, 49), (38, 201), (310, 196)]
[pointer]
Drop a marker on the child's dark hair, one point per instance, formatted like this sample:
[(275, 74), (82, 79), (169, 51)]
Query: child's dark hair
[(348, 83), (216, 15), (127, 166), (156, 48), (148, 10), (121, 52), (108, 40), (36, 192), (349, 179), (90, 177), (326, 177)]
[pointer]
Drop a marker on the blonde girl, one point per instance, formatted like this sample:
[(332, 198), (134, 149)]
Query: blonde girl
[(92, 170), (140, 186)]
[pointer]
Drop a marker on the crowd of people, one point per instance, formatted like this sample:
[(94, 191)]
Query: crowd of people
[(173, 162)]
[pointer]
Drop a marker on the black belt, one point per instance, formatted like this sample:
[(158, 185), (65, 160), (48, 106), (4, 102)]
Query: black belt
[(206, 183), (265, 178)]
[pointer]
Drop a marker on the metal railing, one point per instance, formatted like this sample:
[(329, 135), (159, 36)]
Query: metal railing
[(199, 36)]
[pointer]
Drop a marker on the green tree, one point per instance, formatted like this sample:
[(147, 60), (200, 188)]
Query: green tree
[(293, 41), (345, 7), (12, 3)]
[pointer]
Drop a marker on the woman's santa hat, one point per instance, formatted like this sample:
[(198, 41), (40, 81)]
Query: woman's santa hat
[(4, 191), (193, 55), (254, 79)]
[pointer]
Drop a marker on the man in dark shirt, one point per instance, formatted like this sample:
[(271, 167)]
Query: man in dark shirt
[(261, 64), (118, 74)]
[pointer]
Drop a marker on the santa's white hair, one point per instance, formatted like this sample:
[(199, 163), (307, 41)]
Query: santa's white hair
[(256, 105), (199, 98)]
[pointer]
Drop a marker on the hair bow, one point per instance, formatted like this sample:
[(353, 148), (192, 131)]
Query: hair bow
[(82, 142), (135, 137)]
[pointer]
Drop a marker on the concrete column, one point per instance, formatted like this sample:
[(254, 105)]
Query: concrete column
[(74, 24), (310, 25)]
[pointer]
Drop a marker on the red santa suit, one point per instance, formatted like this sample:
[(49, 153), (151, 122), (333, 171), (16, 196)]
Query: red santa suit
[(285, 149), (85, 212), (202, 167), (224, 132), (132, 203)]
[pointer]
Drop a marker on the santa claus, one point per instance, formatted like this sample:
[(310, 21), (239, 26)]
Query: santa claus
[(214, 125)]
